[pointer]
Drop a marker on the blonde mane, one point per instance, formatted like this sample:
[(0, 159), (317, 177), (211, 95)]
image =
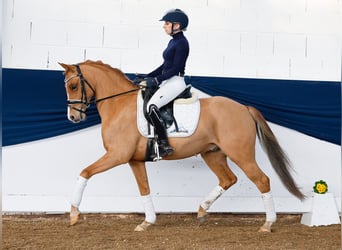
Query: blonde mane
[(102, 65)]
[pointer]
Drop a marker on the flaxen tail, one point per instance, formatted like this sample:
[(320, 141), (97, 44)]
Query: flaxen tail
[(275, 153)]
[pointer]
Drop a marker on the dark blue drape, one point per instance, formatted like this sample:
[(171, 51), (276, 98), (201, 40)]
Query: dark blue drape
[(310, 107), (34, 104)]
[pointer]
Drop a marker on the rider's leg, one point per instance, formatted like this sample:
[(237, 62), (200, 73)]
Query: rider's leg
[(158, 124), (168, 90)]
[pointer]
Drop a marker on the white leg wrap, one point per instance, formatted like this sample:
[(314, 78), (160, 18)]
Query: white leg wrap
[(211, 197), (150, 214), (76, 198), (271, 215)]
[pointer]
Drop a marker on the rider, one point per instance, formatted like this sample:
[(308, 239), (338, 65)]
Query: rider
[(170, 75)]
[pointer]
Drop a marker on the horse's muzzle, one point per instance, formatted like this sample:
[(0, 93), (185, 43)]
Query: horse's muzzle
[(75, 116), (74, 119)]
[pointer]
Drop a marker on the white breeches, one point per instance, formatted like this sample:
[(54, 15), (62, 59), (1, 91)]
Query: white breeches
[(168, 90)]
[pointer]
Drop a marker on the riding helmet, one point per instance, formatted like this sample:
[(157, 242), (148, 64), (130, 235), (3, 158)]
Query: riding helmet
[(176, 16)]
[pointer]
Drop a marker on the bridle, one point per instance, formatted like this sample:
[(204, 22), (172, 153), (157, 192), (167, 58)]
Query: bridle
[(84, 98)]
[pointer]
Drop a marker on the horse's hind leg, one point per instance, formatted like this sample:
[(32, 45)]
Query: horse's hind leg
[(217, 162), (259, 178)]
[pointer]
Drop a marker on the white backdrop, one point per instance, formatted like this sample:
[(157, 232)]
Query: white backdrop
[(294, 39)]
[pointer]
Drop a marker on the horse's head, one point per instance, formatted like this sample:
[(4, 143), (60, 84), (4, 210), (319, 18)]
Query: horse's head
[(79, 92)]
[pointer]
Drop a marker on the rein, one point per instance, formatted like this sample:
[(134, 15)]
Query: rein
[(112, 96), (84, 98)]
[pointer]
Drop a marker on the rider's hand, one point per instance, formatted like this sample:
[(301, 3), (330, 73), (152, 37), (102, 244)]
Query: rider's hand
[(140, 75), (151, 82), (139, 78)]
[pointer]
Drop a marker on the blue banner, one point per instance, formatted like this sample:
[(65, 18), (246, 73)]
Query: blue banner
[(310, 107), (34, 104)]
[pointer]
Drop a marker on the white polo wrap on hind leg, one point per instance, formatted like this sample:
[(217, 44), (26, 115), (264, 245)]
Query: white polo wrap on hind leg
[(150, 214), (76, 198), (267, 199), (211, 197)]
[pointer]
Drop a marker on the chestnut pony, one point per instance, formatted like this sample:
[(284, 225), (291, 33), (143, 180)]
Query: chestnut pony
[(226, 128)]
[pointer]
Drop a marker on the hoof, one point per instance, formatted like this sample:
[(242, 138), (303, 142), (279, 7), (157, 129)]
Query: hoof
[(201, 215), (266, 228), (143, 226), (74, 215)]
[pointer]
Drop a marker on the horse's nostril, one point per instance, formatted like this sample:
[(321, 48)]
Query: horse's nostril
[(72, 117)]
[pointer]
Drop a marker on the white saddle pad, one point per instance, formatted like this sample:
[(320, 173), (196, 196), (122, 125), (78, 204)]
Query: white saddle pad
[(186, 113)]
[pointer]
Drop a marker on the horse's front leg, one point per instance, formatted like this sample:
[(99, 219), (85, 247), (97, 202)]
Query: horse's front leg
[(106, 162), (139, 170)]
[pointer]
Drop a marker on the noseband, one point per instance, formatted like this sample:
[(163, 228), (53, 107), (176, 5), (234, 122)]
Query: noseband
[(84, 98)]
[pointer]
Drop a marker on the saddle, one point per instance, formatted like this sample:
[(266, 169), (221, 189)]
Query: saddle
[(180, 118), (166, 112)]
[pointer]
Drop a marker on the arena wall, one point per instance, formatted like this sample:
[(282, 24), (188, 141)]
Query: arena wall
[(264, 39)]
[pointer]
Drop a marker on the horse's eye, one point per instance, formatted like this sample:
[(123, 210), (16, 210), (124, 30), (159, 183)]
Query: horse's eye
[(73, 87)]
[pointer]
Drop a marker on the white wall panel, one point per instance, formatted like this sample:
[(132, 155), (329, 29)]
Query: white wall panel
[(305, 68), (208, 18), (248, 44), (189, 4), (242, 20), (230, 5), (288, 6), (226, 43), (331, 68), (22, 34), (135, 12), (68, 55), (316, 23), (85, 35), (289, 45), (29, 10), (198, 40), (210, 64), (36, 56), (106, 55), (121, 37), (152, 39), (326, 6), (137, 61), (323, 46), (48, 33), (273, 19), (103, 11), (268, 66), (265, 45), (242, 66), (293, 29)]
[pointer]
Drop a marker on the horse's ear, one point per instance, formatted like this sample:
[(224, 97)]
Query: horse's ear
[(65, 66)]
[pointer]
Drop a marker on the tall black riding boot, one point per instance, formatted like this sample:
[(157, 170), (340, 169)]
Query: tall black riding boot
[(164, 146)]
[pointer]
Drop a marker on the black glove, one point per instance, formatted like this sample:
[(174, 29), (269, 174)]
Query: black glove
[(151, 82), (139, 78), (140, 75)]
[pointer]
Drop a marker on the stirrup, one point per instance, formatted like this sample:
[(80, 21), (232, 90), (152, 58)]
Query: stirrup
[(156, 150)]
